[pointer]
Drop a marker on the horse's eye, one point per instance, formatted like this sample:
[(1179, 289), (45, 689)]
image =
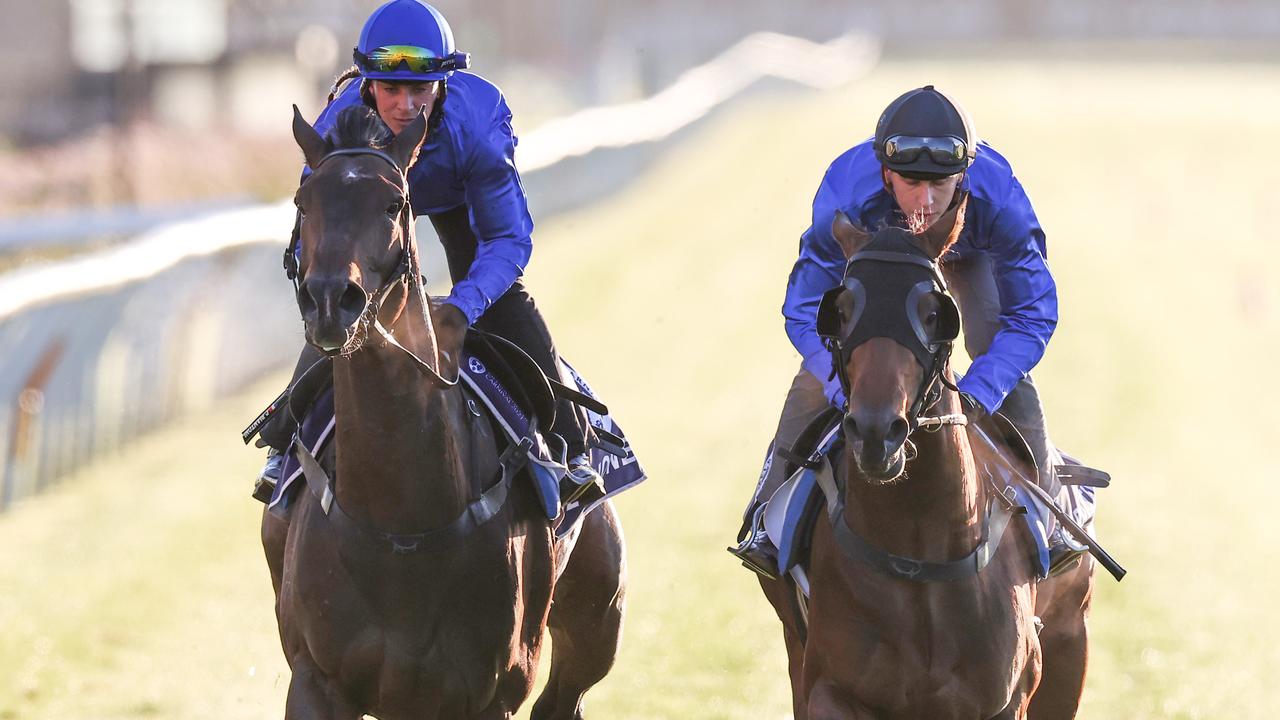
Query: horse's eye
[(394, 208), (932, 319)]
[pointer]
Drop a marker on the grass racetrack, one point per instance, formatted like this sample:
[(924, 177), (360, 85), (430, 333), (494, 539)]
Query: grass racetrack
[(137, 589)]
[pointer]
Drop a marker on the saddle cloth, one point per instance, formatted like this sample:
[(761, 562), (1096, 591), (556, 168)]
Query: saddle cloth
[(792, 510), (617, 465)]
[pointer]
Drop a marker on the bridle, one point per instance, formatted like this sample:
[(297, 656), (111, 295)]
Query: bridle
[(407, 270), (933, 352)]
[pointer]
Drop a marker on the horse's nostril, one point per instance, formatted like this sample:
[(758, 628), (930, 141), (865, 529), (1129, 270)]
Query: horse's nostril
[(850, 426), (306, 303), (353, 301), (897, 433)]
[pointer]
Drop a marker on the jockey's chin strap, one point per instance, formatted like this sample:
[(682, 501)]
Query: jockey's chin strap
[(407, 270)]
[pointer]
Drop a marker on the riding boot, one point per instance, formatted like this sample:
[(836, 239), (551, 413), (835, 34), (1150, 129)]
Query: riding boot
[(1025, 411), (755, 549), (804, 401), (265, 486), (277, 434), (516, 318)]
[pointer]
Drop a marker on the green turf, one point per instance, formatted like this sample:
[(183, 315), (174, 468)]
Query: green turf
[(138, 590)]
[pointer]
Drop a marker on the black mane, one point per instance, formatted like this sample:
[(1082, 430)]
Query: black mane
[(359, 126)]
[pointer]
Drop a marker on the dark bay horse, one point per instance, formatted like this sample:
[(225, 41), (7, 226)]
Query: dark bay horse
[(422, 586), (916, 607)]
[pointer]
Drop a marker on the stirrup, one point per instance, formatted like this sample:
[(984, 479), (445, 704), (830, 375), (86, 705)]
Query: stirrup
[(1064, 558), (581, 483), (264, 486), (754, 550), (1064, 551)]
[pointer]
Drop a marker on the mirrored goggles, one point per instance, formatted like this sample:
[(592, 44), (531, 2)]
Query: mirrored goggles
[(390, 58), (942, 150)]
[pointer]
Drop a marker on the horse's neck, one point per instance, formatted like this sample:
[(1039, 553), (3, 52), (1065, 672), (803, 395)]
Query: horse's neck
[(399, 450), (934, 511)]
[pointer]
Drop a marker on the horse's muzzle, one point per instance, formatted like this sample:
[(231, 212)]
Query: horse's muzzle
[(876, 440), (331, 307)]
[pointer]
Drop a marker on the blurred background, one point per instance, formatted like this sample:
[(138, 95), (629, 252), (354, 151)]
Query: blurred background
[(670, 151)]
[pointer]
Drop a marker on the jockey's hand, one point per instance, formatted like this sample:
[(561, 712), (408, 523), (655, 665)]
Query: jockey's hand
[(451, 326), (972, 408), (834, 393)]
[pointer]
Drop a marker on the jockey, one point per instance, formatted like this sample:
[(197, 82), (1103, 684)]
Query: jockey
[(465, 181), (921, 162)]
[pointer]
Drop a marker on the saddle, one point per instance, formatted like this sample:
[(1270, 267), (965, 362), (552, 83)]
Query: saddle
[(792, 511), (520, 401)]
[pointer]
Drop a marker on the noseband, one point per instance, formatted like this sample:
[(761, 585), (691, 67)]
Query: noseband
[(406, 268), (931, 347)]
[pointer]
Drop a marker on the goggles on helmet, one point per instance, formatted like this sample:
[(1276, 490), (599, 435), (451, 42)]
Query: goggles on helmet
[(390, 58), (948, 151)]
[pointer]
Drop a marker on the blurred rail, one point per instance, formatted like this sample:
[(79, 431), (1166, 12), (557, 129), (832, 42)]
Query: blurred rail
[(100, 348)]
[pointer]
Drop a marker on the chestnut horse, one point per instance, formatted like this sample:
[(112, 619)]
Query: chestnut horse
[(923, 599), (420, 586)]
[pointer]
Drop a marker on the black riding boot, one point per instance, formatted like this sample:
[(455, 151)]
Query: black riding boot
[(804, 401), (515, 317)]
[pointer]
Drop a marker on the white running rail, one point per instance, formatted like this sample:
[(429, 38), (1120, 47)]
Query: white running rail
[(104, 346), (692, 96)]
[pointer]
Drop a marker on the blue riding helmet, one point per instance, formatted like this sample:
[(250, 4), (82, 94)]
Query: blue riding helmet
[(407, 40)]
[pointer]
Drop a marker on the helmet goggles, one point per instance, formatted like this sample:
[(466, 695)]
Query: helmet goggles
[(417, 60), (946, 151)]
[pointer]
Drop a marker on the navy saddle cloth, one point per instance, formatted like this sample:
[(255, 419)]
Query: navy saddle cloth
[(490, 382), (792, 511)]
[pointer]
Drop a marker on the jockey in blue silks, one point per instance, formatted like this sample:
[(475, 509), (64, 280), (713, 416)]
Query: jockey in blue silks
[(465, 180), (921, 162)]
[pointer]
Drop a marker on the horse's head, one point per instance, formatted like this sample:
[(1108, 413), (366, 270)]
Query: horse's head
[(355, 229), (890, 325)]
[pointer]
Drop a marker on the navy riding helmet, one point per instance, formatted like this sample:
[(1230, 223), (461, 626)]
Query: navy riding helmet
[(407, 40), (925, 135)]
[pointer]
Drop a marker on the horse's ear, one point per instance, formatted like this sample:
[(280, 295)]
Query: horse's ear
[(851, 237), (404, 149), (943, 233), (313, 146)]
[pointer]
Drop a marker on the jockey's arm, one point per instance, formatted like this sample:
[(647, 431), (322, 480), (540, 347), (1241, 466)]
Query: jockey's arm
[(818, 269), (1028, 302), (499, 216)]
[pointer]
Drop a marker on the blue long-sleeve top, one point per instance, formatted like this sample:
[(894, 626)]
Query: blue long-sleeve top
[(999, 221), (469, 159)]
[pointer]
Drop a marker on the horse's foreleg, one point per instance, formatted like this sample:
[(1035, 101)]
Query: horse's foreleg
[(1064, 643), (586, 617), (782, 595), (275, 533), (313, 697)]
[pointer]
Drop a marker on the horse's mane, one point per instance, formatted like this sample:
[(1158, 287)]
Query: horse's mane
[(359, 126)]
